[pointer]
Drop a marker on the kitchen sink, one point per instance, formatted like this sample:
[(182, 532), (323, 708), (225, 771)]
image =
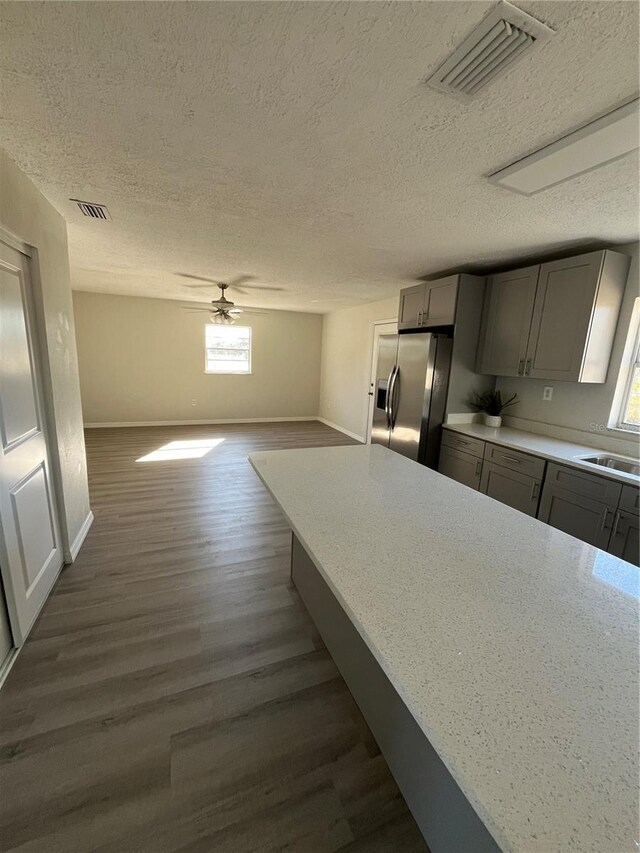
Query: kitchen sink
[(618, 463)]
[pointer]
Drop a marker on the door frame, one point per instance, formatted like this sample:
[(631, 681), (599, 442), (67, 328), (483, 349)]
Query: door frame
[(35, 318), (379, 327)]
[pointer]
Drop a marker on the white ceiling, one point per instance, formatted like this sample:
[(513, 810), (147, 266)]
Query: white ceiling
[(297, 142)]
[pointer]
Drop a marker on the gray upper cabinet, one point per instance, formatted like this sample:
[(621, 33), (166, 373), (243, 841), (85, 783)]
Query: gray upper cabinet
[(410, 309), (429, 304), (556, 320), (506, 322)]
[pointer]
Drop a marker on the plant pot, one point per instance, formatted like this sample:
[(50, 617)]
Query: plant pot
[(493, 420)]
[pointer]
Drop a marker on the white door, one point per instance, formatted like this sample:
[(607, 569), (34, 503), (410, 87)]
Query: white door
[(386, 327), (30, 552)]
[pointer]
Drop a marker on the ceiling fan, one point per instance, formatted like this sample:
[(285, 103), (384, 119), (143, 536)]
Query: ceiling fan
[(223, 310), (240, 283)]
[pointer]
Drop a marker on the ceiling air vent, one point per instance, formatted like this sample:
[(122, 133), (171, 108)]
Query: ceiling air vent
[(93, 210), (504, 35)]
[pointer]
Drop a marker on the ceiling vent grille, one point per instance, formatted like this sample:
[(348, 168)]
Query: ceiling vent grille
[(503, 36), (93, 210)]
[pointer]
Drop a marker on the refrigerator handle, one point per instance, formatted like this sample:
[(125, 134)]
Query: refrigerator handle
[(393, 408), (387, 401)]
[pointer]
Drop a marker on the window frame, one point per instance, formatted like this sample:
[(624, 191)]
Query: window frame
[(626, 374), (207, 348)]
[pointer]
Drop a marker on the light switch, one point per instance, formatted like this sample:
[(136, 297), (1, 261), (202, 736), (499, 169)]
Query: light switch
[(547, 394)]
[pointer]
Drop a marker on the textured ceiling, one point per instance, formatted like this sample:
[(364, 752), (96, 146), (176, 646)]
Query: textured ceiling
[(298, 143)]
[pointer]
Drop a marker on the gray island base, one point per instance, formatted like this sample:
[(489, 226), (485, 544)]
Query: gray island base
[(444, 815), (494, 657)]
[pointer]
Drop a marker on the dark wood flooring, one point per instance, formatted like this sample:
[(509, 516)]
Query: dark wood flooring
[(174, 694)]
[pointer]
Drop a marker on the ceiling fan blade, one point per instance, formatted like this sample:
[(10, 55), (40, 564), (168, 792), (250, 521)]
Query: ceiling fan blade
[(250, 312), (210, 286), (239, 280), (195, 310), (244, 287), (197, 277)]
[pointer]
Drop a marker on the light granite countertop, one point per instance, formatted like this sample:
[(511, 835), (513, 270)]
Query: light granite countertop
[(553, 449), (514, 645)]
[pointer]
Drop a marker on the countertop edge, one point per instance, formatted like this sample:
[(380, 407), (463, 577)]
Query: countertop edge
[(573, 450)]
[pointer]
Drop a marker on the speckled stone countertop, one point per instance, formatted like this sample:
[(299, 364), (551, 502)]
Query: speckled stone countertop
[(563, 452), (514, 645)]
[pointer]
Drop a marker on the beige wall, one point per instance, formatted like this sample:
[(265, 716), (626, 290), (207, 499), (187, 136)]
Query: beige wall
[(142, 360), (28, 215), (575, 406), (347, 340)]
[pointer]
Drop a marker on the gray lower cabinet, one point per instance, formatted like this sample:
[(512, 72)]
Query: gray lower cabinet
[(460, 466), (580, 504), (517, 490), (625, 537)]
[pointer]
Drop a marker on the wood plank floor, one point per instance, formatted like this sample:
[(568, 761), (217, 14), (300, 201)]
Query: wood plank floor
[(174, 694)]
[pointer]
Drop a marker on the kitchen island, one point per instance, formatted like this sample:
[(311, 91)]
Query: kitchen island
[(495, 658)]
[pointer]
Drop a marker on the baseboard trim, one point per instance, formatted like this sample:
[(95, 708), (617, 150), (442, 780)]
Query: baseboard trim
[(207, 421), (77, 542), (348, 432), (5, 667)]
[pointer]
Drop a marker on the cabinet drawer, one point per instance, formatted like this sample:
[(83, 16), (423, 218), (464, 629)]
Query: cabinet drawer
[(581, 483), (463, 442), (460, 466), (630, 499), (514, 460), (513, 488)]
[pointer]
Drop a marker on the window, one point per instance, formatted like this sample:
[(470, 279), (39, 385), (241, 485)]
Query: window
[(228, 349), (626, 414)]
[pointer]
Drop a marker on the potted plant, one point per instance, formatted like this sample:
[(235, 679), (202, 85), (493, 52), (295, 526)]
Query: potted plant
[(492, 404)]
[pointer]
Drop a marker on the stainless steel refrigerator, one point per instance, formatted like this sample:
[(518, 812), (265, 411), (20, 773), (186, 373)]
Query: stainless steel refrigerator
[(410, 393)]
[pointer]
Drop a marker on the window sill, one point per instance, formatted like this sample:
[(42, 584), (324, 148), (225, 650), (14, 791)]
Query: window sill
[(228, 372), (622, 431)]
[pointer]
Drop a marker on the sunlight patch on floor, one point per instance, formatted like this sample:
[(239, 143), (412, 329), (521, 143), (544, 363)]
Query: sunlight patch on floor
[(193, 449)]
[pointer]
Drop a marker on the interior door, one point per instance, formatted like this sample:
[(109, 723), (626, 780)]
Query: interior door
[(506, 322), (411, 391), (30, 552), (380, 422), (383, 327), (6, 637)]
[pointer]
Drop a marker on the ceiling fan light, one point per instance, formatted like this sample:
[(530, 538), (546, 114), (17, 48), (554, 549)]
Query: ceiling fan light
[(222, 320)]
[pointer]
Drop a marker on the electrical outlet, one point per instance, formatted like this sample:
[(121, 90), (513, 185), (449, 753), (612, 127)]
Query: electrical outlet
[(194, 402), (547, 394)]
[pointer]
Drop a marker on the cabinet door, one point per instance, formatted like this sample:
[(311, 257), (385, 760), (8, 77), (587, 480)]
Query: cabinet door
[(411, 307), (578, 515), (439, 308), (506, 322), (562, 317), (460, 466), (517, 490), (625, 537)]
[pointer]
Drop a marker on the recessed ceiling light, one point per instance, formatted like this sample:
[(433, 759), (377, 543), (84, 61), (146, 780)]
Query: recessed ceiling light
[(602, 141)]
